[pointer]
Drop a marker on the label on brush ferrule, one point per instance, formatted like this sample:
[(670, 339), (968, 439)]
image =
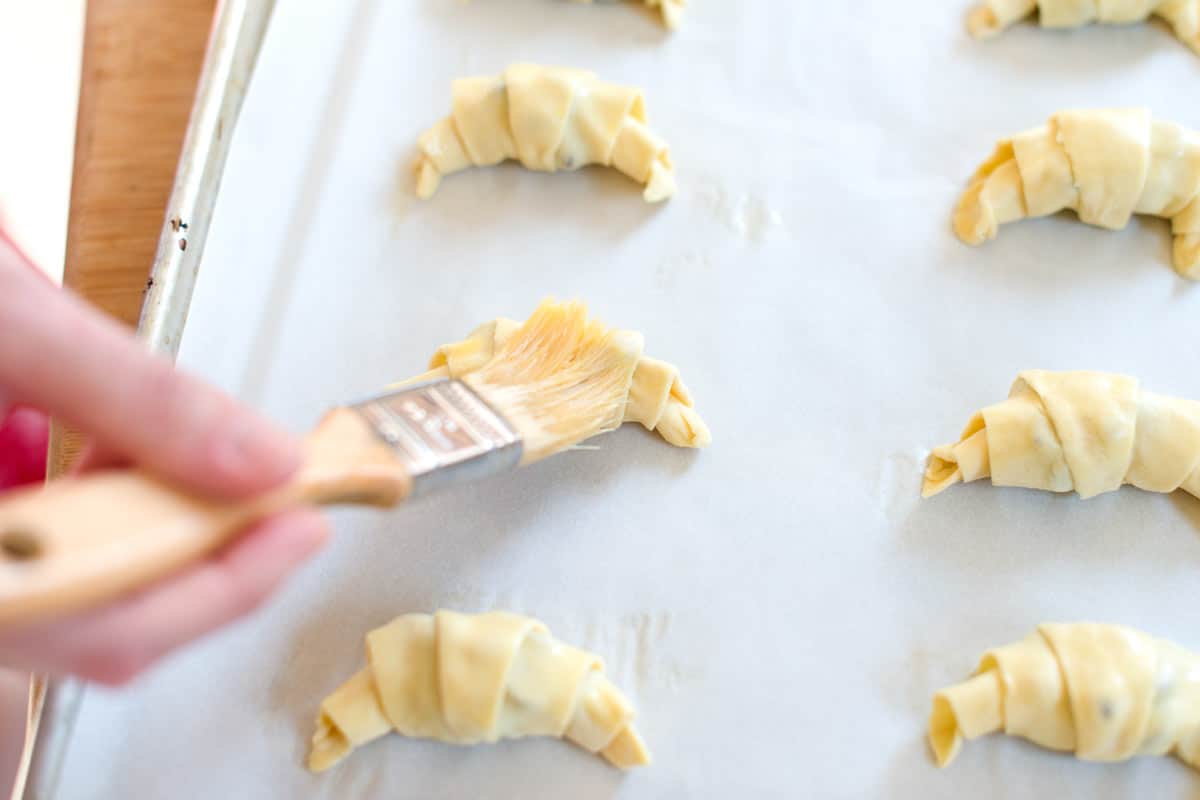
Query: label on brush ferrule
[(445, 433)]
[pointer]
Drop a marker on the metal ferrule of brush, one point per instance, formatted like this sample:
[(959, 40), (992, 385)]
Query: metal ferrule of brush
[(444, 432)]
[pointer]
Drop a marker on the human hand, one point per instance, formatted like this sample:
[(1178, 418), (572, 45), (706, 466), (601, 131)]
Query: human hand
[(60, 356)]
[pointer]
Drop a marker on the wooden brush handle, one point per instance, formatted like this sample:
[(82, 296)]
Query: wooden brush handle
[(84, 540)]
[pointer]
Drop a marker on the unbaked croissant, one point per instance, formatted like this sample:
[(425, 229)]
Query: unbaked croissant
[(465, 679), (672, 10), (658, 399), (549, 119), (1104, 692), (993, 16), (1104, 164), (1089, 432)]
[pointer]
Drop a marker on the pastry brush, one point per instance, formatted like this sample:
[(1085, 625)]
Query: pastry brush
[(562, 378)]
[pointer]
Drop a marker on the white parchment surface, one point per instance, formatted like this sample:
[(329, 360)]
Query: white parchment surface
[(782, 606)]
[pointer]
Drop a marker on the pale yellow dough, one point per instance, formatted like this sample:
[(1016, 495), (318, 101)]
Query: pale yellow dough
[(549, 119), (465, 679), (672, 10), (1103, 692), (992, 16), (1104, 164), (1088, 432), (658, 398)]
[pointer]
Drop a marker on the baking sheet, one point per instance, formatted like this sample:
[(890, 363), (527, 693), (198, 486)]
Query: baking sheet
[(782, 606)]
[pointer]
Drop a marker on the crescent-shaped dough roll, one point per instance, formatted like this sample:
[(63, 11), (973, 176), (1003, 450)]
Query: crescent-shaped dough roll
[(1103, 692), (991, 17), (672, 10), (465, 679), (1088, 432), (549, 119), (1104, 164), (658, 398)]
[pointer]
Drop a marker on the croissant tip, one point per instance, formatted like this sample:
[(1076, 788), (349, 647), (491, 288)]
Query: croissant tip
[(1187, 256), (972, 223), (428, 177), (940, 474), (329, 746), (932, 488), (945, 738), (672, 15), (700, 437), (684, 428), (660, 186), (627, 750), (982, 23)]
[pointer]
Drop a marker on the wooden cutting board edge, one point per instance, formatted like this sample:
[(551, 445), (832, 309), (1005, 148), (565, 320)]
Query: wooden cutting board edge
[(141, 62)]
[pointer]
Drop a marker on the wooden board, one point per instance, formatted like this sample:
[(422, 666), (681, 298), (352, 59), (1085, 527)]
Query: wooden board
[(140, 66)]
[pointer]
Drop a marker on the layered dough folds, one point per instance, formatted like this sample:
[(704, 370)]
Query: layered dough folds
[(1088, 432), (672, 10), (658, 398), (549, 119), (465, 679), (1103, 692), (1104, 164), (993, 16)]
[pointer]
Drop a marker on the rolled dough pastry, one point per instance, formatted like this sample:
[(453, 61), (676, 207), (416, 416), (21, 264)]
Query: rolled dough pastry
[(672, 10), (991, 17), (658, 398), (549, 119), (1104, 692), (1104, 164), (464, 679), (1089, 432)]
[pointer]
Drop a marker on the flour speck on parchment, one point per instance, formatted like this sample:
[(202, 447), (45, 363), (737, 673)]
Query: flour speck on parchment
[(750, 217)]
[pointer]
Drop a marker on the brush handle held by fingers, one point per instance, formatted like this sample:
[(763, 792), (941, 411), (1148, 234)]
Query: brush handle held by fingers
[(86, 540)]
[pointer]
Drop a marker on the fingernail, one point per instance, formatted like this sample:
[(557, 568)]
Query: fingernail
[(254, 448)]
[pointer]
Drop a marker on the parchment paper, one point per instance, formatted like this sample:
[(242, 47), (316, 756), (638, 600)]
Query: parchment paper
[(782, 606)]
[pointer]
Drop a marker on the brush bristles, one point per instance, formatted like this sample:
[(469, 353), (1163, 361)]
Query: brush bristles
[(560, 379)]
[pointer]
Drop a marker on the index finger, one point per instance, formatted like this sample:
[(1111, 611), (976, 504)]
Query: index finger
[(58, 354)]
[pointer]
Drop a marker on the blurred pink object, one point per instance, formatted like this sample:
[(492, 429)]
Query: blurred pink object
[(24, 432), (24, 437)]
